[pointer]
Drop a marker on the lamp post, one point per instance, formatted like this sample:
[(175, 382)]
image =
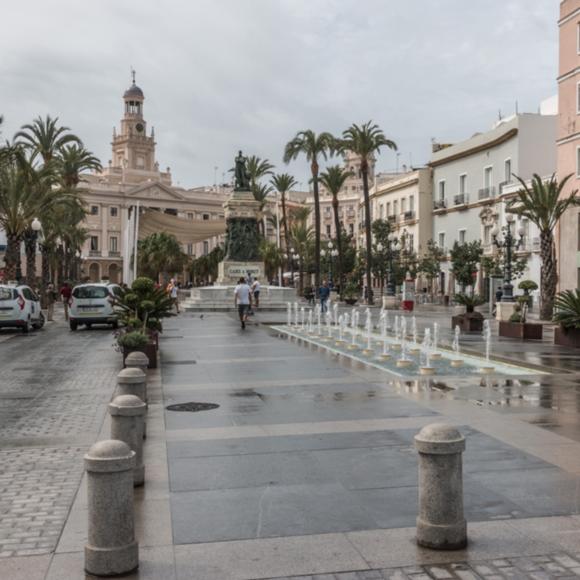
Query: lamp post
[(509, 243), (330, 255), (391, 244)]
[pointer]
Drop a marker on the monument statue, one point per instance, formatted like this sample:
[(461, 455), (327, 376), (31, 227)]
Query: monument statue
[(242, 176)]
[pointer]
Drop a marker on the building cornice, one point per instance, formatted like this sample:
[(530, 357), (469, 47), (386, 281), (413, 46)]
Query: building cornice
[(568, 17), (568, 75), (477, 149), (568, 139)]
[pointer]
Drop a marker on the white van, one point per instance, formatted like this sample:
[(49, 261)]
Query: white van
[(20, 308), (92, 304)]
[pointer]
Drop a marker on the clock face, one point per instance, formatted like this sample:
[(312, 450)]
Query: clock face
[(139, 127)]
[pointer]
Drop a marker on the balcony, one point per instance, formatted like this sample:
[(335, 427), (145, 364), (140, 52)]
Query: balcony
[(392, 219), (114, 254), (94, 253), (460, 199), (439, 204), (408, 215), (486, 193)]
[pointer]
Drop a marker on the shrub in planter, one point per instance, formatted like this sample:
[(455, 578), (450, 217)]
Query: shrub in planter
[(518, 326), (470, 320), (567, 315), (129, 342), (528, 286), (351, 293)]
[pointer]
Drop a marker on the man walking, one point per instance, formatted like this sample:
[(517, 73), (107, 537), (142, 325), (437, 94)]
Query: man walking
[(51, 297), (324, 294), (65, 294), (242, 299), (256, 292)]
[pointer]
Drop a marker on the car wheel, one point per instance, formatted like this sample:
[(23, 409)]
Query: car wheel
[(88, 325), (40, 322), (26, 327), (115, 325), (73, 325)]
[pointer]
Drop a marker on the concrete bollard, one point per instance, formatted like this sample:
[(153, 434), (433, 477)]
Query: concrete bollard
[(132, 381), (111, 549), (127, 422), (440, 524), (137, 359)]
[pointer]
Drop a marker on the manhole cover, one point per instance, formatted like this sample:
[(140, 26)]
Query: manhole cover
[(180, 362), (192, 407)]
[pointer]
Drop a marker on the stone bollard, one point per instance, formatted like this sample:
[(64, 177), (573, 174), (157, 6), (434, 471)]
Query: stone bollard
[(137, 359), (127, 422), (440, 524), (132, 381), (111, 549)]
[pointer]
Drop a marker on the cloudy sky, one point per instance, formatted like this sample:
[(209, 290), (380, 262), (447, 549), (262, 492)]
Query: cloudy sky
[(219, 75)]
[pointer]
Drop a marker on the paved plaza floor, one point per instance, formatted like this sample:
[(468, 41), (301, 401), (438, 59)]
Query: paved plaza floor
[(305, 470)]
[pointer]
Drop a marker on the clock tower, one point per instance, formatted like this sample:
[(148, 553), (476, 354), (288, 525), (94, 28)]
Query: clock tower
[(132, 148)]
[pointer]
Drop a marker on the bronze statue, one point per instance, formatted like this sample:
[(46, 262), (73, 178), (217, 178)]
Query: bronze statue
[(242, 176)]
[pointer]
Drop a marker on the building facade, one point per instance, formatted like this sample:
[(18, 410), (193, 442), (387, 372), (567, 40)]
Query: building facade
[(568, 143), (472, 179)]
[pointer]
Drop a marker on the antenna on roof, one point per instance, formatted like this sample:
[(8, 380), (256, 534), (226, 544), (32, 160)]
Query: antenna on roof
[(517, 108), (499, 114), (133, 74)]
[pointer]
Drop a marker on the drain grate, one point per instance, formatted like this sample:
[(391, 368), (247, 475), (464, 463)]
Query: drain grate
[(192, 407), (179, 362)]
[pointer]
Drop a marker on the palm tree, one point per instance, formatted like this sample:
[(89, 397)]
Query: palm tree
[(301, 236), (45, 138), (365, 141), (258, 168), (313, 146), (333, 179), (74, 160), (261, 192), (160, 254), (283, 182), (272, 257), (543, 206)]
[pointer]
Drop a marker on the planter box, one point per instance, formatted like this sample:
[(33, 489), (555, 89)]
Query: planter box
[(524, 331), (467, 323), (351, 301), (565, 337), (150, 350)]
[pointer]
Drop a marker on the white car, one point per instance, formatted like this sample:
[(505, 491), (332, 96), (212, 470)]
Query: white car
[(92, 304), (20, 308)]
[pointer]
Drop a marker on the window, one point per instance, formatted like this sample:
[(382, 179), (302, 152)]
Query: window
[(442, 189), (140, 162), (94, 243), (114, 211), (205, 248), (462, 236), (395, 207), (507, 170), (190, 249), (113, 244), (388, 208), (577, 161), (403, 205), (578, 38), (487, 235), (189, 216), (94, 210), (487, 177), (462, 183), (578, 98), (381, 210), (442, 240), (86, 292), (351, 229), (328, 233), (412, 203), (411, 241), (205, 217)]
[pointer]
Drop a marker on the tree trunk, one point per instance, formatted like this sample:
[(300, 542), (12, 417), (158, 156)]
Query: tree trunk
[(338, 241), (314, 168), (285, 227), (301, 279), (30, 251), (365, 176), (45, 267), (11, 257), (548, 274)]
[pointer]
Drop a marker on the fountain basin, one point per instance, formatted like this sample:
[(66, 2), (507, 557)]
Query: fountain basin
[(368, 351), (436, 356), (385, 357), (352, 347), (339, 342), (456, 363), (414, 350), (396, 347), (486, 370), (404, 363), (427, 371)]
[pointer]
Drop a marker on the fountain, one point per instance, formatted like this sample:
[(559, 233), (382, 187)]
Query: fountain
[(354, 326), (329, 325), (425, 362), (369, 350), (310, 326), (318, 319), (396, 331), (456, 362), (487, 369), (296, 314), (302, 318), (435, 354), (383, 324), (415, 348), (289, 315), (335, 313), (404, 361)]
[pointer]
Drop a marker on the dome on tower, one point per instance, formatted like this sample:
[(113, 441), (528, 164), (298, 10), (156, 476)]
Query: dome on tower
[(133, 92)]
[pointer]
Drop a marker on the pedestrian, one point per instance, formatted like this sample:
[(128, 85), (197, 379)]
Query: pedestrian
[(172, 291), (324, 295), (243, 300), (65, 295), (498, 297), (51, 296), (256, 292)]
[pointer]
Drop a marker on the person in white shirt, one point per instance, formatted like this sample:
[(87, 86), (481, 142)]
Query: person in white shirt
[(243, 300), (256, 292)]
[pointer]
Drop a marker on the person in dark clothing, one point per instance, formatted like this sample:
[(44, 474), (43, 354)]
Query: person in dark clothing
[(324, 294)]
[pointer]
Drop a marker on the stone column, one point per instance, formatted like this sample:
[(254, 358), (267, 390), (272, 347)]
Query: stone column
[(440, 524), (132, 381), (137, 359), (127, 422), (111, 549)]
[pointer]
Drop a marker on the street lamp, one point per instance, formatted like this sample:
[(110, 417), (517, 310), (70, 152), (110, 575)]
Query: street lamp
[(392, 241), (509, 243)]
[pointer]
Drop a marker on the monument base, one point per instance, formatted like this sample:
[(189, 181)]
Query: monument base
[(221, 298), (230, 272)]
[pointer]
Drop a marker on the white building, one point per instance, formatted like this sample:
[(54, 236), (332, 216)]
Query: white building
[(471, 180)]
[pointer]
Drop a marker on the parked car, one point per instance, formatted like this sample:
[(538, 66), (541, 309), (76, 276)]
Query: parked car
[(92, 304), (20, 308)]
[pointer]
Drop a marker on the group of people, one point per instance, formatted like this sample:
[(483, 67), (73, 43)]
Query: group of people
[(246, 292), (51, 295)]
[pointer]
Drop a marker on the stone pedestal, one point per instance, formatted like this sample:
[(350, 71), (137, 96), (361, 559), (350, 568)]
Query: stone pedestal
[(441, 524), (389, 302), (229, 272), (504, 310)]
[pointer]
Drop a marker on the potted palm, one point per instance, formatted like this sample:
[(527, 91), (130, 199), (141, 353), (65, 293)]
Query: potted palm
[(518, 326), (351, 293), (470, 320), (141, 309), (567, 315)]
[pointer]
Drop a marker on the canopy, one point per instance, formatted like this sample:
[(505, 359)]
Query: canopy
[(186, 231)]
